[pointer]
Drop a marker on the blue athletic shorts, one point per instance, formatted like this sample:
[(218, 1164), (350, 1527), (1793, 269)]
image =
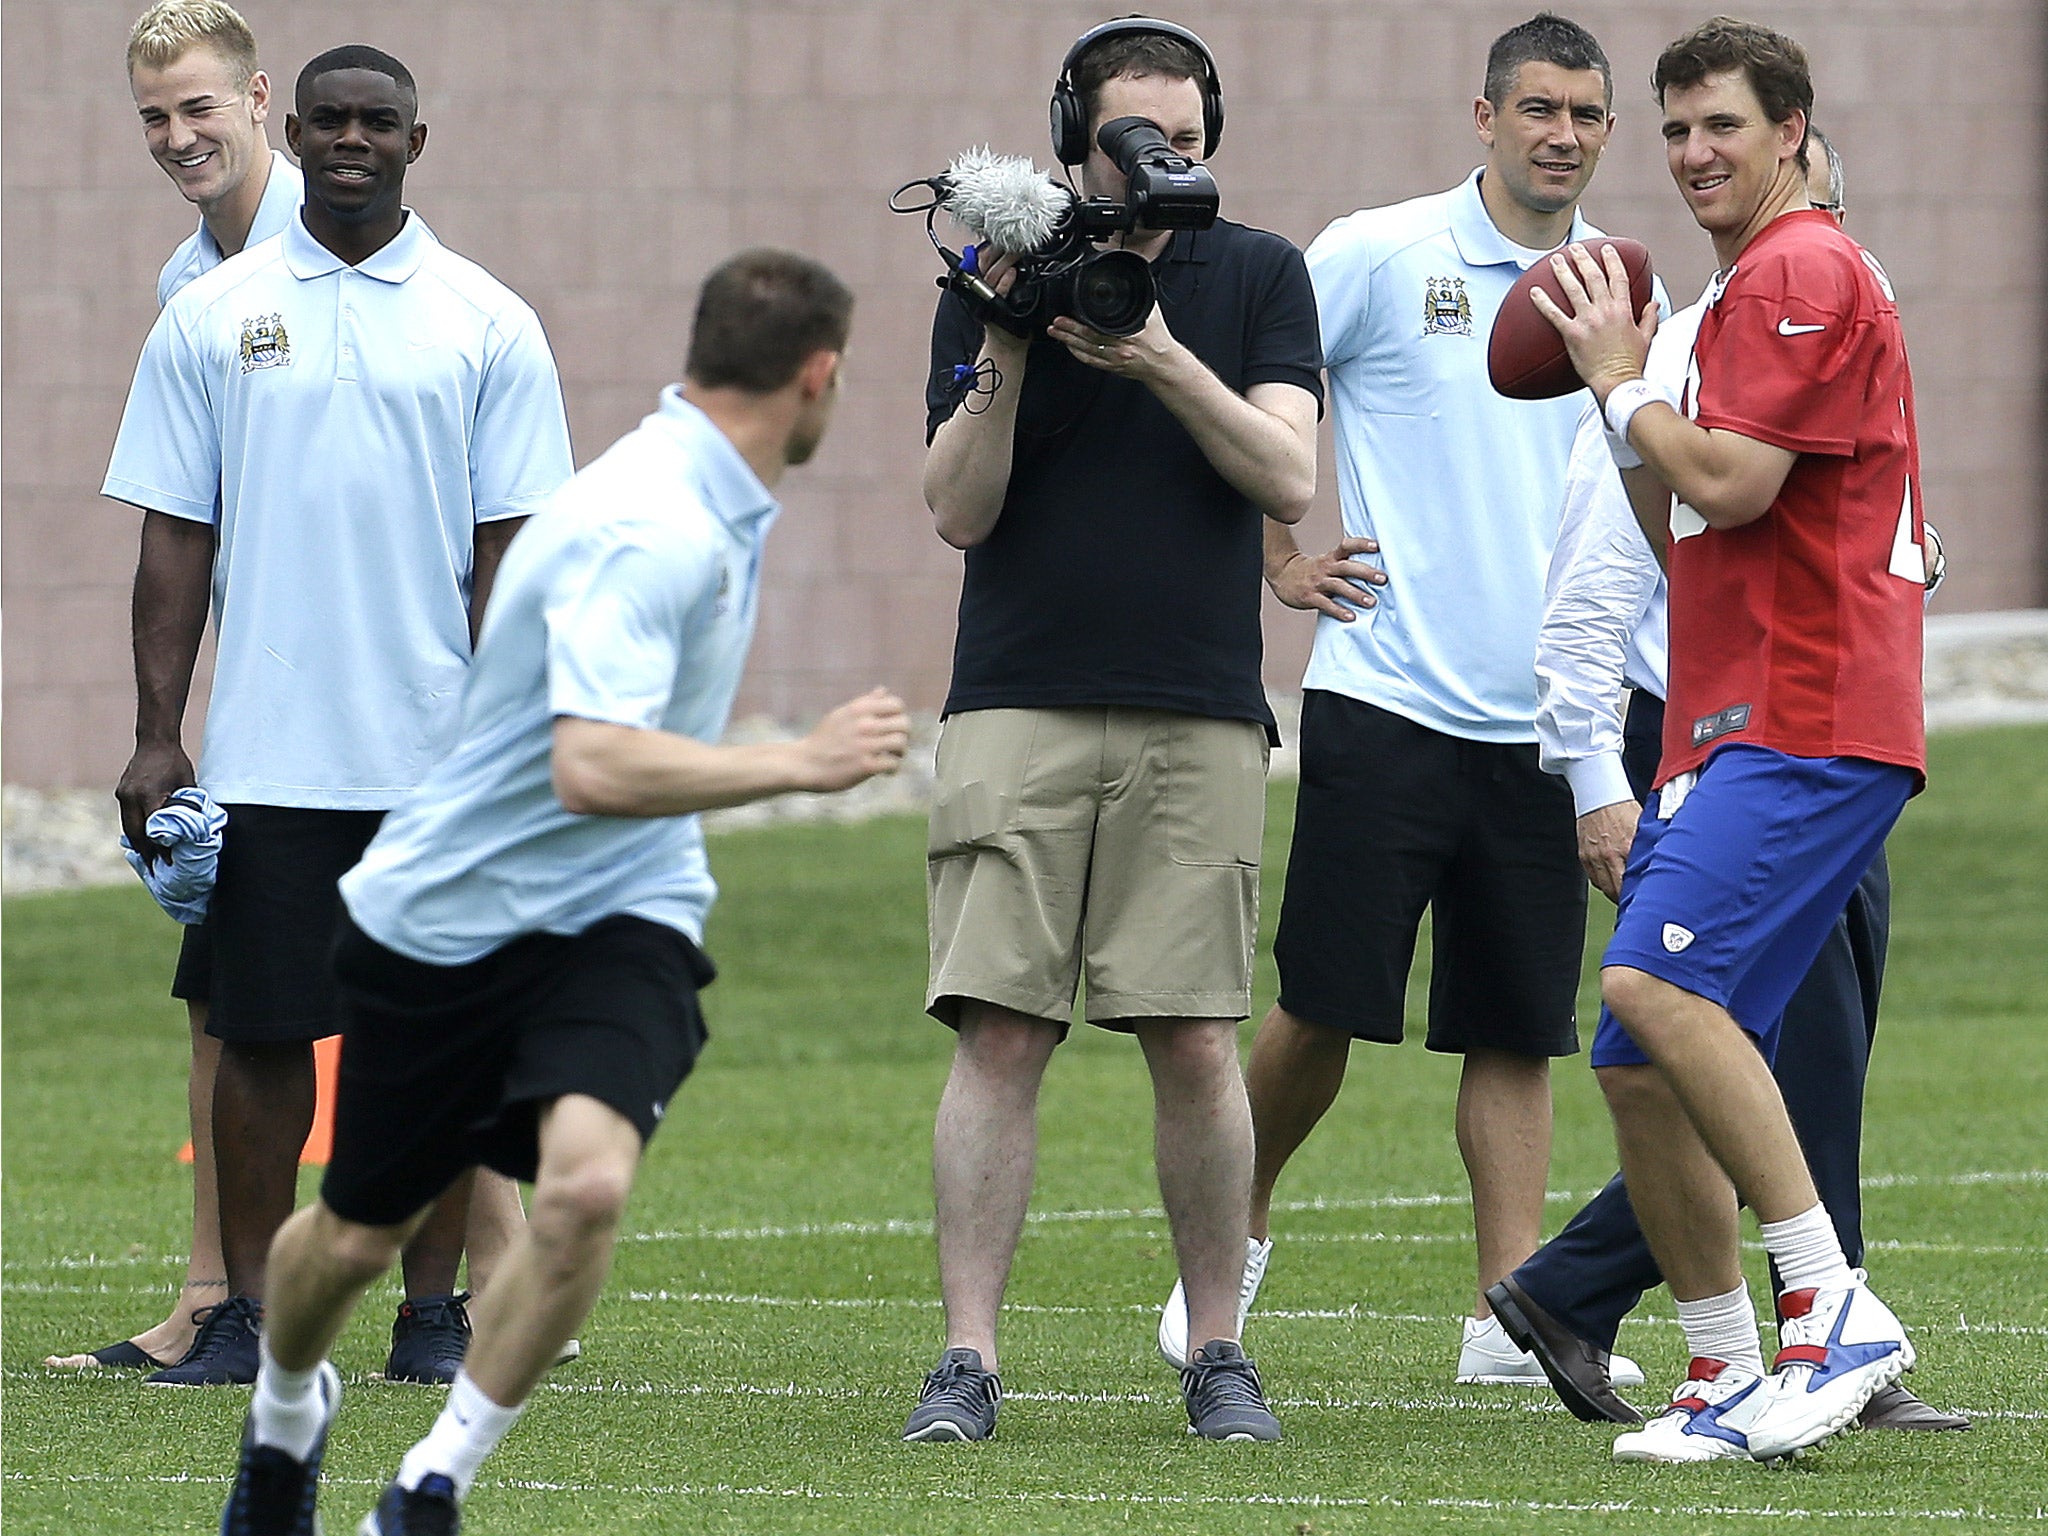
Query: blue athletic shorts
[(1733, 896)]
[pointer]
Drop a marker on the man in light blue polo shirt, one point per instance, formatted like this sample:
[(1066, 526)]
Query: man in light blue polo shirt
[(1420, 786), (535, 911), (347, 423), (203, 101)]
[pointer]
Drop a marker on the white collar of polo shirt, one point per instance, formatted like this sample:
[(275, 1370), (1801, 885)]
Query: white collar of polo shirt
[(307, 258), (1479, 240)]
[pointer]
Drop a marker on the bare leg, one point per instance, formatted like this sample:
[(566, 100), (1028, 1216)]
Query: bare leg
[(1682, 1199), (547, 1283), (433, 1256), (1295, 1071), (262, 1110), (984, 1152), (206, 1275), (319, 1268), (496, 1217), (1504, 1136), (1728, 1092), (1203, 1144)]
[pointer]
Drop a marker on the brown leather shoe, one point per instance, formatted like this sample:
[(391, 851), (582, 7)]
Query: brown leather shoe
[(1896, 1408), (1577, 1370)]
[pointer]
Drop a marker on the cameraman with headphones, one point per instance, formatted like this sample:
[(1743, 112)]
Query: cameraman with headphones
[(1101, 775)]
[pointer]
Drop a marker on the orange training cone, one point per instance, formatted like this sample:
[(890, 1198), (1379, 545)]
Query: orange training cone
[(320, 1140)]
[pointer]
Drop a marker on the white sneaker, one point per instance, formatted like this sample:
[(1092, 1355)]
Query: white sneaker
[(1840, 1348), (1487, 1357), (1173, 1318), (1704, 1421)]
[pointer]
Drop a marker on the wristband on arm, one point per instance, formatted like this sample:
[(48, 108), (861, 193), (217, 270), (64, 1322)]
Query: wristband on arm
[(1623, 401)]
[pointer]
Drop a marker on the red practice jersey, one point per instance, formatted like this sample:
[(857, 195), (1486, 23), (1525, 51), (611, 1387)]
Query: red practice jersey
[(1801, 631)]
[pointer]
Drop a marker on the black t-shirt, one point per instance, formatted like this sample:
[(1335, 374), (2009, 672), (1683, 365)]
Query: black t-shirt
[(1124, 569)]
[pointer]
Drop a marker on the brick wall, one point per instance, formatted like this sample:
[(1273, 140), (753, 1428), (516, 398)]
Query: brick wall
[(601, 156)]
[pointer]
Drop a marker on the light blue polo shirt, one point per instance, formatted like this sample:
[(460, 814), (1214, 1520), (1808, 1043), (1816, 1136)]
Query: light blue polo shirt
[(629, 599), (352, 425), (200, 253), (1460, 485)]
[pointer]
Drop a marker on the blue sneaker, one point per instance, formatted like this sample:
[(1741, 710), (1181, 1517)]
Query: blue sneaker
[(428, 1510), (1705, 1421), (428, 1340), (273, 1492), (225, 1353), (959, 1400)]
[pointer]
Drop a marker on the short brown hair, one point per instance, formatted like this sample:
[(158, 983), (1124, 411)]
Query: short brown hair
[(1774, 65), (1135, 53), (170, 29), (760, 314)]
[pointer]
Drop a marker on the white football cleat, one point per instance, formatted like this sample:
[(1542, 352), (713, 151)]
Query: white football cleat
[(1173, 1318), (1697, 1426), (1841, 1348), (1487, 1357)]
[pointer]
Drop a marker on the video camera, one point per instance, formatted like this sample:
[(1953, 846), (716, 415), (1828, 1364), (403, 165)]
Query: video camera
[(1014, 208)]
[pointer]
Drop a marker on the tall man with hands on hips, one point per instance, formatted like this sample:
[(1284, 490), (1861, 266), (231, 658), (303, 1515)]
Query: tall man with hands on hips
[(1101, 775), (1782, 489)]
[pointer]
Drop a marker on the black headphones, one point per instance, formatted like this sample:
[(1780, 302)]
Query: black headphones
[(1070, 113)]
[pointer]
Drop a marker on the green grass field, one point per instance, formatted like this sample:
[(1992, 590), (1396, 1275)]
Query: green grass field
[(774, 1305)]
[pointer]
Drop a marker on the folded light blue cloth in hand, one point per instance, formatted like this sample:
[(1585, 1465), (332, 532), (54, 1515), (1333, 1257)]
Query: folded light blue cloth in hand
[(187, 828)]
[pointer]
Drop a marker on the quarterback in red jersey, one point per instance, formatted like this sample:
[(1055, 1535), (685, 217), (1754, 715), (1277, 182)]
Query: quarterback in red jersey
[(1782, 491)]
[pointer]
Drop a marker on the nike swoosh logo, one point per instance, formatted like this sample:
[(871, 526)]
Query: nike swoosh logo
[(1787, 328)]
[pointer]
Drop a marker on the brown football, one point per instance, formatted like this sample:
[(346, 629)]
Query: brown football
[(1525, 356)]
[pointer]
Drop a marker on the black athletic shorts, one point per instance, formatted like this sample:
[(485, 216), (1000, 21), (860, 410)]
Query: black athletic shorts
[(261, 959), (444, 1067), (1394, 817)]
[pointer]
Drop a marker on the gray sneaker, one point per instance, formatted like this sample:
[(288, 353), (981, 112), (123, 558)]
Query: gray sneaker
[(1225, 1400), (958, 1401)]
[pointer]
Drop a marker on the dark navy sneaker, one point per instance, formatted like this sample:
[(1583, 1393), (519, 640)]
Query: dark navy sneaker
[(958, 1401), (1224, 1398), (225, 1353), (428, 1510), (428, 1340), (273, 1494)]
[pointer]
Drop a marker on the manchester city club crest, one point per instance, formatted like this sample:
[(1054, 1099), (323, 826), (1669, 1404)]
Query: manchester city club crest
[(1446, 308), (265, 343)]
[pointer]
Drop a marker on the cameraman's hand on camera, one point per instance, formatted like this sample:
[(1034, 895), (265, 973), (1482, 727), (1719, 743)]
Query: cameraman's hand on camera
[(1333, 583), (1147, 356), (1000, 273)]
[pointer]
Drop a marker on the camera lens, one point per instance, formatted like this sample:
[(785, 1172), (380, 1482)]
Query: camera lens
[(1113, 293)]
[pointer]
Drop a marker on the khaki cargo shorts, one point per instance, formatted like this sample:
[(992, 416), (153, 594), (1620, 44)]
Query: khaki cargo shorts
[(1116, 846)]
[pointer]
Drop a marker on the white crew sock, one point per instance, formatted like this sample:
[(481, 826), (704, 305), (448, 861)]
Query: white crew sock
[(288, 1411), (1724, 1328), (467, 1431), (1807, 1252)]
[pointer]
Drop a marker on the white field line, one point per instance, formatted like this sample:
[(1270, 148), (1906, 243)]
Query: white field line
[(811, 1492), (922, 1227)]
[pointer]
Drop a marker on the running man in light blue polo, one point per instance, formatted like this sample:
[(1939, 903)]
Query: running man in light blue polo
[(348, 421), (1420, 784), (536, 909)]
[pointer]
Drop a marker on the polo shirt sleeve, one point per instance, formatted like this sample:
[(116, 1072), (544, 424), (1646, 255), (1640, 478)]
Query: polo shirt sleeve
[(1340, 263), (615, 628), (956, 340), (1790, 361), (1283, 344), (519, 445), (167, 452)]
